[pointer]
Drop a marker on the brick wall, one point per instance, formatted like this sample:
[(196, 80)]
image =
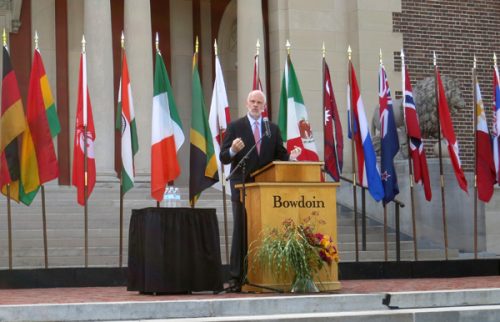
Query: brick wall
[(456, 30)]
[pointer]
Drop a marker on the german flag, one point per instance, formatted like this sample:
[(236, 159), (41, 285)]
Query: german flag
[(202, 165), (12, 125)]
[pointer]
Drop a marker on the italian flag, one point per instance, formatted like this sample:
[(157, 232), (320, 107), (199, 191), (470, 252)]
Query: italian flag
[(293, 120), (125, 121), (167, 136)]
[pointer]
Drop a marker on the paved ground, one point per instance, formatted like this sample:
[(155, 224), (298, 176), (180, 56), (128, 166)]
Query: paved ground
[(120, 294)]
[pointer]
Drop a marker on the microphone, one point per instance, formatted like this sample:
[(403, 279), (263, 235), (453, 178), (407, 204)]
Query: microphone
[(267, 130)]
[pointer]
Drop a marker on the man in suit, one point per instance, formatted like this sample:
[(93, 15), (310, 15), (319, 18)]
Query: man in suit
[(241, 135)]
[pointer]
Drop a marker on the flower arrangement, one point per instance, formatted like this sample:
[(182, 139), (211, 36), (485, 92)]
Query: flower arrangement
[(295, 252)]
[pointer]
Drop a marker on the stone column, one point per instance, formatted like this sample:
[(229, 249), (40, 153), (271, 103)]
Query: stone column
[(250, 27), (182, 47), (138, 44), (97, 29)]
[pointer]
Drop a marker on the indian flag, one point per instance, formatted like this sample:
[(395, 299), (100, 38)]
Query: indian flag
[(167, 136), (125, 121)]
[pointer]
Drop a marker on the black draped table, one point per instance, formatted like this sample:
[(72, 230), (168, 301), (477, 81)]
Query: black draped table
[(174, 250)]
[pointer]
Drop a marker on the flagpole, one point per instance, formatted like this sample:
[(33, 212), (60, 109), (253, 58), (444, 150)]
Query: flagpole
[(410, 167), (9, 223), (441, 172), (496, 134), (85, 161), (474, 118), (195, 63), (44, 214), (353, 157), (223, 175), (256, 80), (120, 247), (323, 52), (9, 209), (157, 46), (384, 204), (323, 62)]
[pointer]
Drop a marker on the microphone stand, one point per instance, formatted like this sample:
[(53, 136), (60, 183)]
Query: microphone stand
[(242, 164)]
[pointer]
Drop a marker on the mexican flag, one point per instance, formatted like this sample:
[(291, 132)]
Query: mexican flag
[(293, 120)]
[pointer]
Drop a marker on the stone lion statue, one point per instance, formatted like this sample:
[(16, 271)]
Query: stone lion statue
[(424, 94)]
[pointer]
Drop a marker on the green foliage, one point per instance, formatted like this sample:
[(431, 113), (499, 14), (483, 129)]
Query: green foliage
[(289, 253)]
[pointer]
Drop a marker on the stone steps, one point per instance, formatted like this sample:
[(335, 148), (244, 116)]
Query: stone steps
[(450, 305), (65, 227), (406, 255)]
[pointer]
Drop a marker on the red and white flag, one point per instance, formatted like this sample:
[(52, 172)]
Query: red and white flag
[(485, 168), (84, 140), (333, 138), (218, 120), (449, 133), (257, 84)]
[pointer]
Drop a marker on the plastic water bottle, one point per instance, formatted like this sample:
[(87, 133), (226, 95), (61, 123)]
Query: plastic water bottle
[(176, 197), (168, 197)]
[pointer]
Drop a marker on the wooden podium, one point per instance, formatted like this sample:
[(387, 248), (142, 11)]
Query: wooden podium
[(293, 190)]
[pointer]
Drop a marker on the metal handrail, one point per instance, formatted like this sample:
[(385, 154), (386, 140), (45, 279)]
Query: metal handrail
[(397, 205), (401, 204)]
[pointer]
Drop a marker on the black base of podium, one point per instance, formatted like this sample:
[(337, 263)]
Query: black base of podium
[(115, 276)]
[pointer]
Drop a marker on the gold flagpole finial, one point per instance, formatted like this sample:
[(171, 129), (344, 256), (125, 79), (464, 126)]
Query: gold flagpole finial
[(349, 52), (495, 59), (36, 40), (157, 43), (83, 43), (288, 46), (122, 40), (4, 38), (434, 58), (196, 45), (323, 49), (475, 62), (380, 56), (257, 47), (215, 47)]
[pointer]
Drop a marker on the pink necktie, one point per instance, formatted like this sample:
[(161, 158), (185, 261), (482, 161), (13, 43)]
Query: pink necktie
[(256, 135)]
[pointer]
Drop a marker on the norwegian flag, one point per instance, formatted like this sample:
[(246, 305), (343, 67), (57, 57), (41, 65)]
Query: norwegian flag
[(389, 138), (496, 122), (417, 151)]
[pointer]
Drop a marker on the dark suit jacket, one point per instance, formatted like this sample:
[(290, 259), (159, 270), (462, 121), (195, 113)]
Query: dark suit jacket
[(270, 149)]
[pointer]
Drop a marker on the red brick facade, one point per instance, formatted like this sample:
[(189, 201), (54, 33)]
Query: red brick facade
[(455, 30)]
